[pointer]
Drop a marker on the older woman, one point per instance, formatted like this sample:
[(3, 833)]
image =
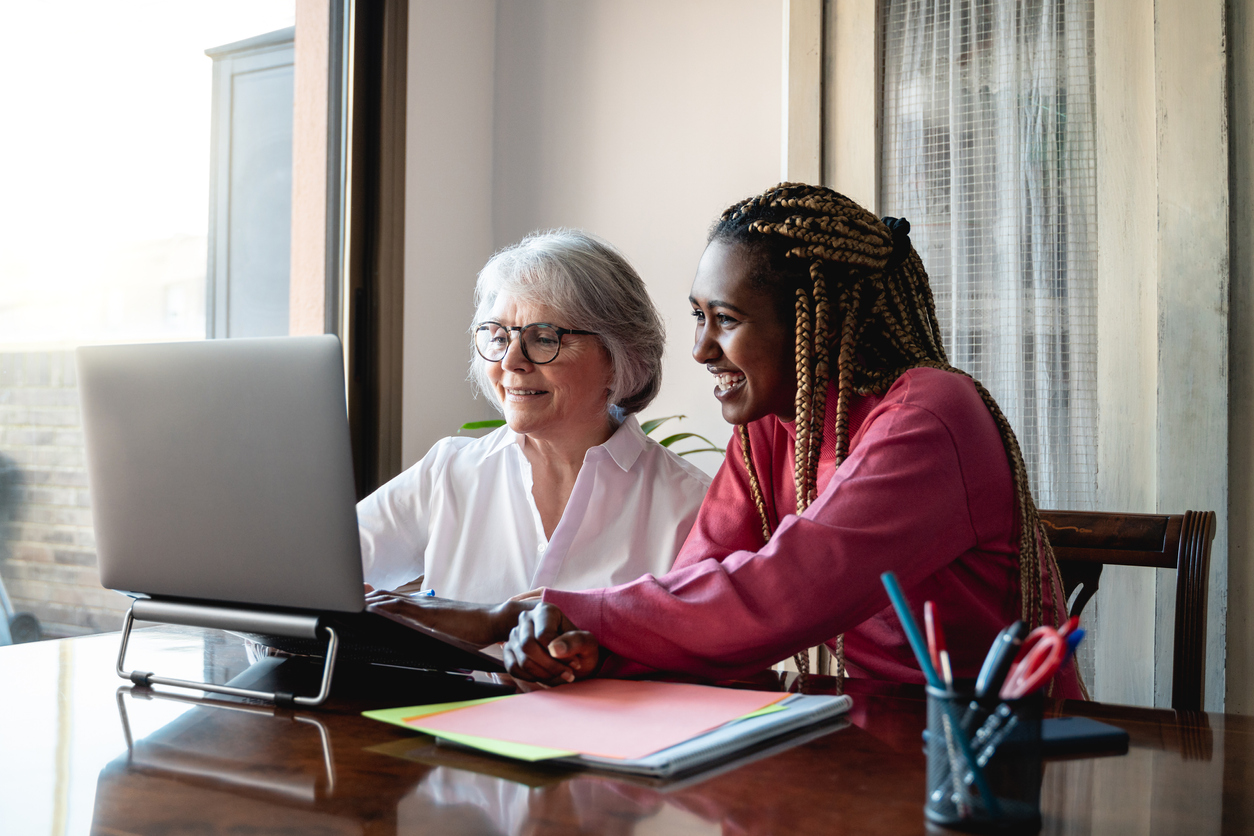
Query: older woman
[(570, 494)]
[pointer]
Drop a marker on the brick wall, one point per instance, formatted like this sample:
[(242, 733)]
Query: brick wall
[(47, 547)]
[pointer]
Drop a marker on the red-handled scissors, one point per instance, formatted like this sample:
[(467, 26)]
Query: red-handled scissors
[(1039, 659)]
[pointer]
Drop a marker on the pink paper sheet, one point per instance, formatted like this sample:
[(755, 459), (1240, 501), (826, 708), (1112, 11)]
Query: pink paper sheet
[(612, 718)]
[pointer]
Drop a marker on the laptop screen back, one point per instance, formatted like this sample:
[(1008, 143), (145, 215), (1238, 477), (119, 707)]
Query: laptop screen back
[(222, 471)]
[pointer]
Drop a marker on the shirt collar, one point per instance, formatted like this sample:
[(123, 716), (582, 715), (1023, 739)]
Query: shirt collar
[(624, 446), (501, 438)]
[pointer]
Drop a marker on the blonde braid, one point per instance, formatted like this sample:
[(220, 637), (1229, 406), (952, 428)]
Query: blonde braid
[(804, 397), (755, 486), (818, 407), (804, 407), (844, 386), (916, 276)]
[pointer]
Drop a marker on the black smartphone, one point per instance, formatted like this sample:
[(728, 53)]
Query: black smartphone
[(1062, 736)]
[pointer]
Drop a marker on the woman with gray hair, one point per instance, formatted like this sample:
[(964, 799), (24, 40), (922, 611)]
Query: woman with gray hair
[(570, 493)]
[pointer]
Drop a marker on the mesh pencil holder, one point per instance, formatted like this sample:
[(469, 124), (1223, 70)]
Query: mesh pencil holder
[(983, 763)]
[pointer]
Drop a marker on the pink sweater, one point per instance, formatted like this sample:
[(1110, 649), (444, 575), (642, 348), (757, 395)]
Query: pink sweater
[(926, 491)]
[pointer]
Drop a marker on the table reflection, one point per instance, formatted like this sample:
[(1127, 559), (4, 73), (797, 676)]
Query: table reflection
[(204, 744), (215, 762), (521, 800), (249, 766), (466, 802)]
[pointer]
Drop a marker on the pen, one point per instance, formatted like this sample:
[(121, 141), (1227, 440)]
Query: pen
[(997, 663), (1073, 640), (936, 643), (912, 629)]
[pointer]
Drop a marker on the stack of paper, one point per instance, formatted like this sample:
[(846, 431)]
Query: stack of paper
[(656, 728)]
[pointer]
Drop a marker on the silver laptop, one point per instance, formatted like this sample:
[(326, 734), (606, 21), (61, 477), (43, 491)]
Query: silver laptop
[(222, 493), (222, 470)]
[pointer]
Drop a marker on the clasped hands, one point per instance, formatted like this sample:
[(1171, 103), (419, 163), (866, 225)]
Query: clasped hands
[(540, 643), (545, 646)]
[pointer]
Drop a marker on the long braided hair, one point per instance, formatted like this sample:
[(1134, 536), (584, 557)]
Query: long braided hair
[(807, 243)]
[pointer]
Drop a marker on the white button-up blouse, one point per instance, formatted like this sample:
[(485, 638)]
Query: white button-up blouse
[(463, 518)]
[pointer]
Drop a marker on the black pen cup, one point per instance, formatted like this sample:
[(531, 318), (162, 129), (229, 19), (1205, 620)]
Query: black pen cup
[(983, 763)]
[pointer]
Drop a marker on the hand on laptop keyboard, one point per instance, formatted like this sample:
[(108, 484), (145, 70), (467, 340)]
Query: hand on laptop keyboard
[(478, 624)]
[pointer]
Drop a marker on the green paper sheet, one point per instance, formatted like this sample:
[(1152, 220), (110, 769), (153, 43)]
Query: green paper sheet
[(519, 751), (770, 709)]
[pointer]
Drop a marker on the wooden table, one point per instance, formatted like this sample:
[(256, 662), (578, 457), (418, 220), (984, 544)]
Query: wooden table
[(81, 752)]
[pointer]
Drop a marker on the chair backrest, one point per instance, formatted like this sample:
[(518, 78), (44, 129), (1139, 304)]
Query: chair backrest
[(1084, 541)]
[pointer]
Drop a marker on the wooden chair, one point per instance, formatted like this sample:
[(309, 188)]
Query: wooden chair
[(1085, 541)]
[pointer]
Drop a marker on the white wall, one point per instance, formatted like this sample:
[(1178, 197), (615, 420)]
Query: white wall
[(639, 122), (448, 211)]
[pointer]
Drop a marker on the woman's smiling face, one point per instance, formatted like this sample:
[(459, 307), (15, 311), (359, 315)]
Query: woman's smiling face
[(562, 398), (741, 339)]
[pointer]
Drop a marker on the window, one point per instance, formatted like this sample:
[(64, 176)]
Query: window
[(988, 149), (148, 197)]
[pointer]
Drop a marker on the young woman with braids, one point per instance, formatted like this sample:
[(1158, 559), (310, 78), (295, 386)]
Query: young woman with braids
[(857, 449)]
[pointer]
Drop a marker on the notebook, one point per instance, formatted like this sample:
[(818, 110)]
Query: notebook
[(656, 729)]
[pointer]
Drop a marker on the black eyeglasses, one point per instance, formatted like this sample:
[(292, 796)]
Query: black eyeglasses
[(540, 341)]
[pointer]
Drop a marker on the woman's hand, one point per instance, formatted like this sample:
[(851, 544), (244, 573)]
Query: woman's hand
[(547, 647), (478, 624)]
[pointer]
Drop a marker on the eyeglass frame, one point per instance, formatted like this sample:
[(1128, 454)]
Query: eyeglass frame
[(522, 344)]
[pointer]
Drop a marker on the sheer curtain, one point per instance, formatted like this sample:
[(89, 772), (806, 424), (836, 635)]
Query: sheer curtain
[(988, 150)]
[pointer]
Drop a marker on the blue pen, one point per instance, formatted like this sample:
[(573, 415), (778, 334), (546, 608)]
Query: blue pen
[(1073, 640), (915, 637)]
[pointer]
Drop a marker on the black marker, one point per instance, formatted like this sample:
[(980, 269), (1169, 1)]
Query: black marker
[(997, 662)]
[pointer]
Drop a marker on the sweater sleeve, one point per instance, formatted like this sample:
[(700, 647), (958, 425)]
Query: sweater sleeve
[(899, 502)]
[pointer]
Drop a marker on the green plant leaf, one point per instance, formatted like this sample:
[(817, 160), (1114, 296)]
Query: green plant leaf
[(653, 423), (718, 450), (482, 425), (669, 440)]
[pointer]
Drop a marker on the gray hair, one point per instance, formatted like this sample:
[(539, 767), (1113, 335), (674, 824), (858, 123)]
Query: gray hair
[(591, 287)]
